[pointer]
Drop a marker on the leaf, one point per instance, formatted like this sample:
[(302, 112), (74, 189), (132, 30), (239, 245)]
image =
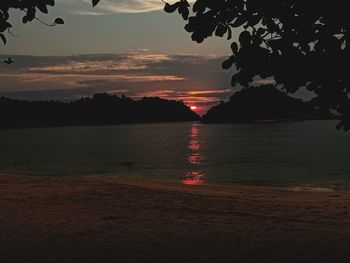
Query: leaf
[(254, 20), (221, 30), (42, 7), (8, 25), (199, 6), (3, 38), (50, 2), (233, 80), (171, 8), (239, 21), (228, 63), (95, 2), (234, 47), (183, 10), (229, 33), (261, 31), (30, 14), (59, 21), (245, 38), (25, 19), (5, 14)]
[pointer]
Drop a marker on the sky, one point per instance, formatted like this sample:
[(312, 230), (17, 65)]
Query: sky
[(129, 47)]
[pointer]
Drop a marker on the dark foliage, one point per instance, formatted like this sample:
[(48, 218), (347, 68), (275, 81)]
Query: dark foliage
[(264, 103), (101, 109), (30, 9), (297, 42)]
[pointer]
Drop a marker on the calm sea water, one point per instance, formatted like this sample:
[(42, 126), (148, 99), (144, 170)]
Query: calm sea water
[(311, 153)]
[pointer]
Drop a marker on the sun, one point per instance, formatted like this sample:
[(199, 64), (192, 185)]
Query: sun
[(193, 107)]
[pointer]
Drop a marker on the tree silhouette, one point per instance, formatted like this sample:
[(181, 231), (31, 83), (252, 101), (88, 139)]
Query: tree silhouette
[(264, 103), (30, 9), (298, 43), (101, 109)]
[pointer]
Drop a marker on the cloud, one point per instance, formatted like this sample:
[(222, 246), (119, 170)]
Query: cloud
[(75, 79), (133, 67), (265, 82), (112, 64), (194, 79), (83, 7)]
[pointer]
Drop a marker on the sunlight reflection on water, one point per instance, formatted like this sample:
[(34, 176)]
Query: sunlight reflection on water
[(195, 176), (298, 154)]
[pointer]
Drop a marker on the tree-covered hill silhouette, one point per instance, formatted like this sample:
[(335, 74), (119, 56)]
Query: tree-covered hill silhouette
[(263, 103), (101, 109)]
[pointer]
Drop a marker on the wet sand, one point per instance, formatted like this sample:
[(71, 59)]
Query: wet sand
[(106, 219)]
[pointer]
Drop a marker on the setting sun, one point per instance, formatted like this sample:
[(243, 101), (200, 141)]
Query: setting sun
[(193, 107)]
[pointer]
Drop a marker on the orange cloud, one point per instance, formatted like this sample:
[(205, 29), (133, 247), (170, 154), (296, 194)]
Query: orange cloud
[(265, 81), (43, 77), (208, 92), (86, 67)]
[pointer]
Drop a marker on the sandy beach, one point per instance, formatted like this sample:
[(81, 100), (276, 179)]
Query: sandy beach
[(107, 219)]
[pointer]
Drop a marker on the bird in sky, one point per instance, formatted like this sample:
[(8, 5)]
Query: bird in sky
[(8, 62)]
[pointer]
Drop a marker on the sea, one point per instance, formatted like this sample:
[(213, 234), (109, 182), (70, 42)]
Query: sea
[(302, 154)]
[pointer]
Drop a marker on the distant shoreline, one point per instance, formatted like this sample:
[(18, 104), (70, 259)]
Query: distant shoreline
[(98, 124), (268, 121), (251, 105)]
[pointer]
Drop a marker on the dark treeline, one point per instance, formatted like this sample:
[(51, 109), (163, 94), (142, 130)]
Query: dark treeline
[(263, 103), (99, 110)]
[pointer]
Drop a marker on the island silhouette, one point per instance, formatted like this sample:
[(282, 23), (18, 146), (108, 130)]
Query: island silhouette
[(101, 109), (251, 104), (263, 104)]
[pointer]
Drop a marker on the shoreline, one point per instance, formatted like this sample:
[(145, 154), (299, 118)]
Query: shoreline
[(109, 219), (252, 122), (143, 181)]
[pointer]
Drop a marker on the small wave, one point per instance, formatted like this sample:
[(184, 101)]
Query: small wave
[(312, 189)]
